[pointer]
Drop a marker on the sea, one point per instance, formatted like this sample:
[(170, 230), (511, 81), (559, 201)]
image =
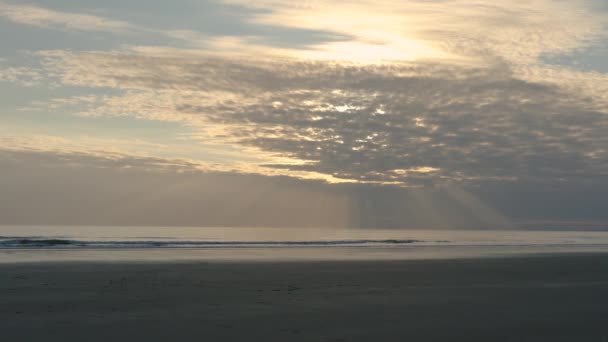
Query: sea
[(157, 244)]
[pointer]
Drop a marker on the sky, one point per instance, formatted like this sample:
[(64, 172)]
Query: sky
[(448, 114)]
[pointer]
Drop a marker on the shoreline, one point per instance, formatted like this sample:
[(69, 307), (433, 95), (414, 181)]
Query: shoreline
[(290, 254)]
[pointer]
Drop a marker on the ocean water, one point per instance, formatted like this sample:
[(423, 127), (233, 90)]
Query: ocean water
[(90, 243)]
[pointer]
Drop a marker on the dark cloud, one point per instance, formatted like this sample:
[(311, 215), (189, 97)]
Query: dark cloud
[(472, 128)]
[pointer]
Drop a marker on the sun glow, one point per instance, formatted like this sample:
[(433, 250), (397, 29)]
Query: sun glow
[(353, 51)]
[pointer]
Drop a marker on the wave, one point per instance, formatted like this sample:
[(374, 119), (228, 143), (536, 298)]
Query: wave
[(36, 242), (19, 242)]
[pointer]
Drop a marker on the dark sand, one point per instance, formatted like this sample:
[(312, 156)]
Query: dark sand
[(549, 298)]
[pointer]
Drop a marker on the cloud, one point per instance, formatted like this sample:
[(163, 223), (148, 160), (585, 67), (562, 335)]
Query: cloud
[(408, 124), (22, 76), (121, 153), (47, 18), (366, 31), (33, 15), (433, 120), (413, 30)]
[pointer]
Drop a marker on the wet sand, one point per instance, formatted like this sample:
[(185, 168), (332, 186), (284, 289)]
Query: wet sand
[(542, 298)]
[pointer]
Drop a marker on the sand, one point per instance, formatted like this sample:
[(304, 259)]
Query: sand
[(548, 298)]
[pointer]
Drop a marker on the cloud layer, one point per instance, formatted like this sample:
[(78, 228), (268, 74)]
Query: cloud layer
[(407, 124), (47, 18)]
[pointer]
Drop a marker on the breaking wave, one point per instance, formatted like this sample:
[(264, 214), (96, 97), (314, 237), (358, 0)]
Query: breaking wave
[(16, 242)]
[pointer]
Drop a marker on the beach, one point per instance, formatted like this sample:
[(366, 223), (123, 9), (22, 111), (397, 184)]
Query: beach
[(516, 298)]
